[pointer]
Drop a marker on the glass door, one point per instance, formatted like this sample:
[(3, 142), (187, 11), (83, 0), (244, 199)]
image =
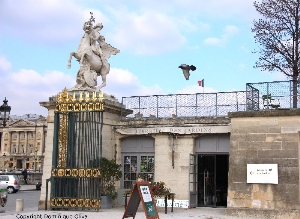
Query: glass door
[(207, 180), (193, 180)]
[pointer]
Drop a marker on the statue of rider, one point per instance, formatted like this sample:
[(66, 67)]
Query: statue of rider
[(93, 54)]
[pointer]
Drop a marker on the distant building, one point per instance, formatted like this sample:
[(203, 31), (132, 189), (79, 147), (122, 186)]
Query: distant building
[(22, 142)]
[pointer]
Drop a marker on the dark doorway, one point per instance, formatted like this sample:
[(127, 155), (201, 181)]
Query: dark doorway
[(212, 180)]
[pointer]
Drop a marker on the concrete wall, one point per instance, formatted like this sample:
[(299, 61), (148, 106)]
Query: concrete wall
[(267, 137)]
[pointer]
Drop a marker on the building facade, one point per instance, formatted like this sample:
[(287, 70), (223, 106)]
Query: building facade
[(23, 143), (204, 160)]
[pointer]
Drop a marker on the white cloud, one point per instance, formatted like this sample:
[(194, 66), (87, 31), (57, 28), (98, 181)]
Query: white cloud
[(48, 22), (213, 41), (4, 64), (123, 83), (26, 88), (149, 32), (229, 31)]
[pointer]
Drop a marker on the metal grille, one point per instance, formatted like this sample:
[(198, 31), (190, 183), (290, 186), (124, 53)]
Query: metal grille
[(77, 151), (185, 105), (273, 95)]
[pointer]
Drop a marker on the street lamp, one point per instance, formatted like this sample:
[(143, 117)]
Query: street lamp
[(4, 112), (4, 155)]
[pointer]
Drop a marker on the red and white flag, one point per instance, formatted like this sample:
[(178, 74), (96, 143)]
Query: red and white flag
[(201, 83)]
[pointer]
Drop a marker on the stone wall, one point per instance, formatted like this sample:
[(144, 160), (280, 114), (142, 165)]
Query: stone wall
[(175, 174), (266, 137)]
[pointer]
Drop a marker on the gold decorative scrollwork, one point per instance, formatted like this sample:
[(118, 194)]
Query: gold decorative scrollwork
[(80, 202), (70, 172), (88, 172), (81, 172), (74, 172), (61, 172), (66, 202), (87, 203), (73, 202), (54, 172), (59, 202)]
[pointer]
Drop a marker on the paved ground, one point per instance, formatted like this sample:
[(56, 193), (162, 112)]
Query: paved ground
[(118, 212)]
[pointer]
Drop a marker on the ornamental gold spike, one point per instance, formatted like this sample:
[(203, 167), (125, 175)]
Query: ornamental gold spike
[(94, 98), (80, 97), (87, 97)]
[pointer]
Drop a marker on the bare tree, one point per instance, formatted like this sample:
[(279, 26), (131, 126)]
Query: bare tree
[(277, 34)]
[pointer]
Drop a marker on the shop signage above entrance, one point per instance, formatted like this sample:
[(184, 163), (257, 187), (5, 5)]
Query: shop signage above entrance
[(177, 130), (262, 173)]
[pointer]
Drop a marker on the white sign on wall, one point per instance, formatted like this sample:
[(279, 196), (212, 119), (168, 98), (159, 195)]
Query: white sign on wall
[(262, 173), (176, 203)]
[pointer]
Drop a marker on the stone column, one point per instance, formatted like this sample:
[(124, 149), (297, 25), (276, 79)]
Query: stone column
[(26, 141)]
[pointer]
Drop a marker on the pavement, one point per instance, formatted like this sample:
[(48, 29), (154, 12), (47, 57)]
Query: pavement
[(118, 212)]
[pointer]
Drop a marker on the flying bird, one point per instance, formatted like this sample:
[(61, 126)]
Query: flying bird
[(186, 70)]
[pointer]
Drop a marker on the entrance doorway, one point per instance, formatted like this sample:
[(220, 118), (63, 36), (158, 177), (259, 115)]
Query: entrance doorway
[(212, 180)]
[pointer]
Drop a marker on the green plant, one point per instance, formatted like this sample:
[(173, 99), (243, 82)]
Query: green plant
[(159, 189), (110, 173)]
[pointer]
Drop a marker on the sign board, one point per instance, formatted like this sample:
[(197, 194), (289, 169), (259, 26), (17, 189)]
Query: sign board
[(176, 203), (262, 173), (141, 192)]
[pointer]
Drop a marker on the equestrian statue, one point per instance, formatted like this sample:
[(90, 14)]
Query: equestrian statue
[(92, 54)]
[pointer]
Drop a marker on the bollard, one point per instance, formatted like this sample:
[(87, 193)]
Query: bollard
[(19, 205)]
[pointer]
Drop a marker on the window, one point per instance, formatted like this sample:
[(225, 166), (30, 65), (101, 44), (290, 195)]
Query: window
[(141, 166), (130, 171), (31, 134), (14, 149), (4, 178), (22, 148), (147, 167), (30, 148), (137, 160), (15, 135), (23, 135)]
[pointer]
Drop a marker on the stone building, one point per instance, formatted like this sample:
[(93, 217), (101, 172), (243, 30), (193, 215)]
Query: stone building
[(23, 142), (205, 159)]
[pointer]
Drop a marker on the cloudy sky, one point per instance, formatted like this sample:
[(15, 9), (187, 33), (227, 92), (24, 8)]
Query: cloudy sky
[(154, 37)]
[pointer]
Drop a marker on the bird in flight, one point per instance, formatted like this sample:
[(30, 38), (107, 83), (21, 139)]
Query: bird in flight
[(186, 70)]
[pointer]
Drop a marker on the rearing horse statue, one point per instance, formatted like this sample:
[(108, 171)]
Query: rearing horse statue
[(92, 54)]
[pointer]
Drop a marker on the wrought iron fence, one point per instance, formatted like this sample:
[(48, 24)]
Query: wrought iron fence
[(185, 105), (273, 95)]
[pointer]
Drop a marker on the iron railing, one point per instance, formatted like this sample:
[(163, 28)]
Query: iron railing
[(258, 96), (185, 105), (273, 95)]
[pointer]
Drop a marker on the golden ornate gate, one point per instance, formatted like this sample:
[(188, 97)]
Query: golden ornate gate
[(77, 151)]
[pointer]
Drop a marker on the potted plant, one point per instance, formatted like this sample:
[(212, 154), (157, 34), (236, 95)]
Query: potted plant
[(110, 174)]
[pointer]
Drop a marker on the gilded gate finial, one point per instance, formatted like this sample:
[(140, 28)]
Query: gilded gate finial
[(82, 101)]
